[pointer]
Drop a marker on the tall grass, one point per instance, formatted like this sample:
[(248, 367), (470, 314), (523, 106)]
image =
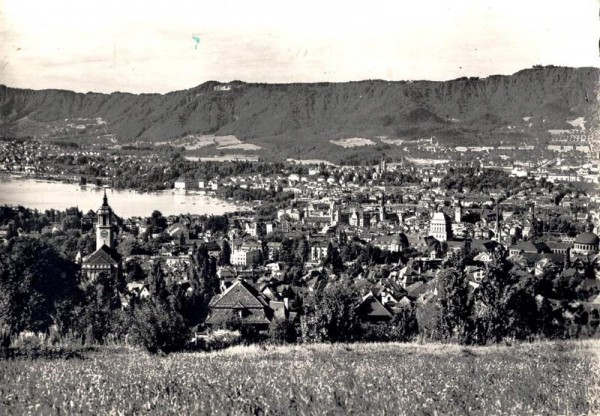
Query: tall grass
[(362, 379)]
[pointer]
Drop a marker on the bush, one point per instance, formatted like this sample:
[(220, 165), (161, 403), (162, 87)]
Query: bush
[(28, 344), (282, 332), (29, 339), (428, 320), (404, 326), (159, 328), (376, 332)]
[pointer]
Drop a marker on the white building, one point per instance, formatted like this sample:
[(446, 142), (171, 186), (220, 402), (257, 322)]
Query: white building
[(182, 185), (245, 258), (319, 252), (440, 227)]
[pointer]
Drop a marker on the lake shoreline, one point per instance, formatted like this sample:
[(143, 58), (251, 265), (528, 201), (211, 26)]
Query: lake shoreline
[(70, 180), (52, 194)]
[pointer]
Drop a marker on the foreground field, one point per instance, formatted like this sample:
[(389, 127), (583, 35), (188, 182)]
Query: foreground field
[(545, 378)]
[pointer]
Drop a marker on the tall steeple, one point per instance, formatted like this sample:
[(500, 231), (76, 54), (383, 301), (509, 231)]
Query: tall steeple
[(498, 231), (104, 231), (458, 213)]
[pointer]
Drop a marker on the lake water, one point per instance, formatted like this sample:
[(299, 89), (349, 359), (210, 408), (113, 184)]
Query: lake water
[(46, 195)]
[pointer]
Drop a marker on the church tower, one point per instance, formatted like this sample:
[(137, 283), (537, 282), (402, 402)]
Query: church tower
[(382, 208), (104, 231), (458, 213), (105, 260)]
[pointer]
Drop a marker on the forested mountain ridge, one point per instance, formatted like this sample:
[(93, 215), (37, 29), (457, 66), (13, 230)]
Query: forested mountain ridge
[(530, 101)]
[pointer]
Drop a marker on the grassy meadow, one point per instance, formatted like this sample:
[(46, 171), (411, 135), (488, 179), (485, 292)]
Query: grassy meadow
[(360, 379)]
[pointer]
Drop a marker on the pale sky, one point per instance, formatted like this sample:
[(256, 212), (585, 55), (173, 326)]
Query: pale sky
[(137, 46)]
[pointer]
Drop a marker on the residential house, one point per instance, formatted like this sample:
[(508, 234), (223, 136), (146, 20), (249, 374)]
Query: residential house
[(243, 301), (371, 309)]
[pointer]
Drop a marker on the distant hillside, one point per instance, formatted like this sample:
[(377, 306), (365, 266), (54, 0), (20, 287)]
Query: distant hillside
[(298, 116)]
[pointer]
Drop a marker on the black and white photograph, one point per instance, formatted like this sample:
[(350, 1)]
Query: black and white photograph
[(300, 207)]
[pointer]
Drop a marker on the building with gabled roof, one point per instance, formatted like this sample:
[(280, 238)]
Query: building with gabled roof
[(244, 301), (394, 242), (105, 259), (372, 310)]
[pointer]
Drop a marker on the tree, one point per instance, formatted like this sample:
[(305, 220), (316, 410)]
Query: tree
[(158, 327), (490, 320), (303, 250), (202, 275), (216, 223), (205, 266), (225, 258), (521, 312), (86, 244), (282, 332), (506, 305), (333, 259), (429, 320), (330, 315), (158, 223), (64, 243), (547, 324), (157, 283), (128, 246), (34, 281), (102, 300), (134, 271), (403, 326), (455, 306), (71, 222)]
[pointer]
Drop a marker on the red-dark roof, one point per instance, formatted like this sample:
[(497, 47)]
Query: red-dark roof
[(104, 255), (251, 316), (241, 298), (587, 239), (371, 308), (239, 293)]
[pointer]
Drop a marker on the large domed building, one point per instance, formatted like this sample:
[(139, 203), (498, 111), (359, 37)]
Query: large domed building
[(586, 243)]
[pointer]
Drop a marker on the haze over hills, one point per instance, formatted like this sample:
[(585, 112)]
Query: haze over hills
[(300, 120)]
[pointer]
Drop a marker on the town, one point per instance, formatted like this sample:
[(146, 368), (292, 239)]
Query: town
[(300, 208), (392, 232)]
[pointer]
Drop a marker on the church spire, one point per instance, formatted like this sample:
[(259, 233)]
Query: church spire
[(104, 232)]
